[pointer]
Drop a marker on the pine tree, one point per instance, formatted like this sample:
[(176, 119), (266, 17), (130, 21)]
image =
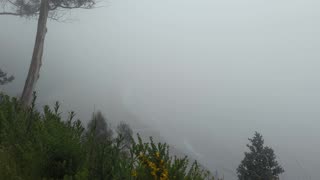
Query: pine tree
[(43, 9), (260, 163)]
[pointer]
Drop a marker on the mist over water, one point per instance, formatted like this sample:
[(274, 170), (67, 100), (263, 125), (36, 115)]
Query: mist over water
[(204, 74)]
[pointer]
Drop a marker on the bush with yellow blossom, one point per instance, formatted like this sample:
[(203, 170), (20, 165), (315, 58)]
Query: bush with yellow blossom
[(152, 161)]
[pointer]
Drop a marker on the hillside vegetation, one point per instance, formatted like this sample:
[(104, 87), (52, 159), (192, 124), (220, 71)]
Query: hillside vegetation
[(42, 145)]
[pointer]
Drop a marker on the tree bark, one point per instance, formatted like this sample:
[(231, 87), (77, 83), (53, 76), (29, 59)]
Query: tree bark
[(36, 61)]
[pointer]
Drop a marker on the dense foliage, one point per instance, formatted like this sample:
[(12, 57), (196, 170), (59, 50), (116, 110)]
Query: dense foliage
[(260, 163), (41, 145)]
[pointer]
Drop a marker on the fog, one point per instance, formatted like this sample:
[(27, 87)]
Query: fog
[(204, 74)]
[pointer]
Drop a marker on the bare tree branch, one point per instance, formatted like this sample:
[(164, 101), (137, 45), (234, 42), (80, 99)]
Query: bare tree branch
[(10, 13)]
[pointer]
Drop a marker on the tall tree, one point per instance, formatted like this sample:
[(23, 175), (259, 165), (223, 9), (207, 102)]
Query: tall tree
[(99, 127), (44, 9), (260, 163), (124, 131), (99, 139)]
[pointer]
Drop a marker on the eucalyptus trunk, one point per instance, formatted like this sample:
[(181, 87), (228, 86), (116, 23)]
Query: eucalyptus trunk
[(36, 61)]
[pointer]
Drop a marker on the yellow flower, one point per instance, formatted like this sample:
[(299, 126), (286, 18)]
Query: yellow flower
[(134, 173), (157, 154), (152, 165), (153, 173), (164, 175)]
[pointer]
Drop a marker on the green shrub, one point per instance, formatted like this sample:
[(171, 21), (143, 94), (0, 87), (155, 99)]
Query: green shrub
[(43, 146)]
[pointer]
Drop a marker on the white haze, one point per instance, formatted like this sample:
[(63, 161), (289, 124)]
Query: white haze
[(206, 74)]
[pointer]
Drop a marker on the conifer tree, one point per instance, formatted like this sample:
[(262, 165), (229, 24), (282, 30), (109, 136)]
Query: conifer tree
[(260, 163)]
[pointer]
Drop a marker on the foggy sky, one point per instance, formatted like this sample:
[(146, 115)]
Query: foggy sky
[(205, 74)]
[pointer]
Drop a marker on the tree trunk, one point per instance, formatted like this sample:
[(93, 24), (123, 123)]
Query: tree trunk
[(36, 61)]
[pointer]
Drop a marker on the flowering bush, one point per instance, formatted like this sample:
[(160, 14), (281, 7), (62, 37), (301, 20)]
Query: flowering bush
[(154, 162)]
